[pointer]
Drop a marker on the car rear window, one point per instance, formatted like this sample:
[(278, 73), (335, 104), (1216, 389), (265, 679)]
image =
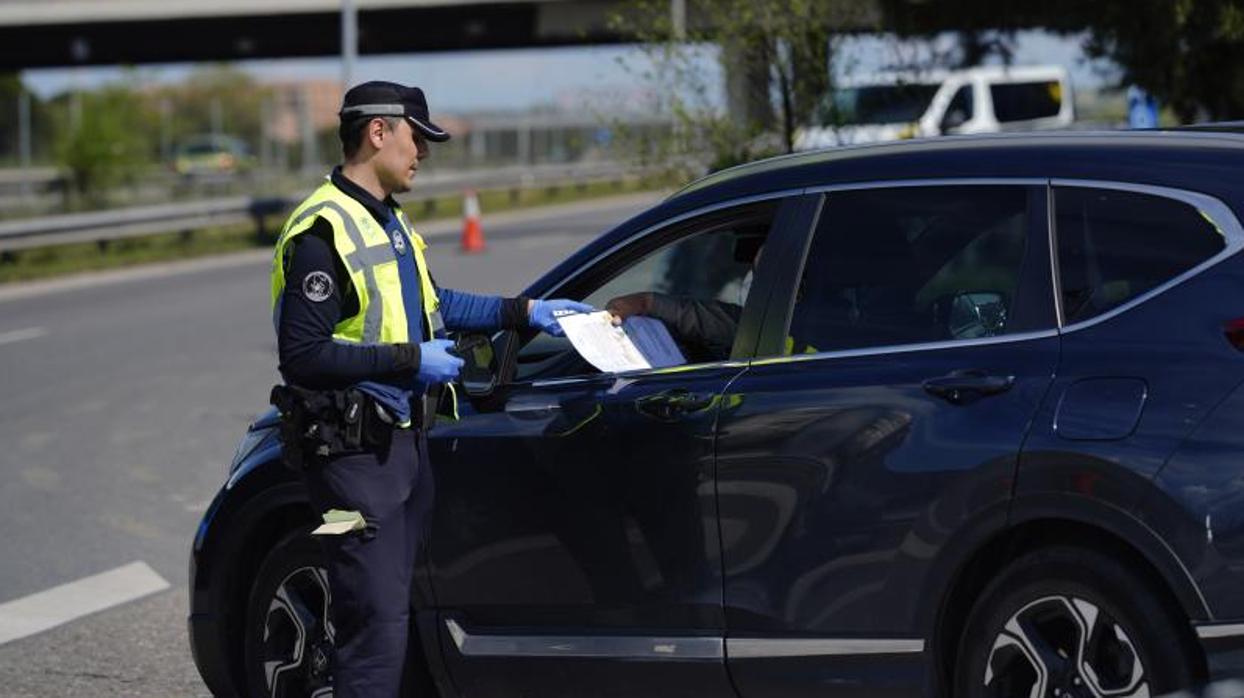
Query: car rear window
[(1116, 245), (1024, 101)]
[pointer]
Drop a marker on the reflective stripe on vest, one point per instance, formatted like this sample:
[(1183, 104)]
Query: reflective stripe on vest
[(365, 249)]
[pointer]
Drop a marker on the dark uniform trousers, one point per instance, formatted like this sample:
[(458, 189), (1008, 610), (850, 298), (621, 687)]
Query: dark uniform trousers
[(370, 574)]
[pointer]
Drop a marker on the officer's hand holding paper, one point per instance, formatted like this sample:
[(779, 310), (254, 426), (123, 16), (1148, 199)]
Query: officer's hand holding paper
[(638, 343)]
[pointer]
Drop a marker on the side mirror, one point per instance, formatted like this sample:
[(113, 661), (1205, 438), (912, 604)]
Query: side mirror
[(977, 314), (479, 373)]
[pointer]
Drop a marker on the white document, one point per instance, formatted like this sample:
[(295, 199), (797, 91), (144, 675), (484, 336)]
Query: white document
[(337, 522), (640, 343)]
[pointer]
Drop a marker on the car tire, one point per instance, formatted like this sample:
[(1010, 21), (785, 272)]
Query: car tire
[(288, 644), (1077, 621)]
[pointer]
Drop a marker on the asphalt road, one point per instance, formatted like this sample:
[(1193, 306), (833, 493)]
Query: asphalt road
[(124, 395)]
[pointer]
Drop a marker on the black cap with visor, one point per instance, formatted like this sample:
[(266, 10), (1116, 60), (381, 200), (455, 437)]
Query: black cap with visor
[(379, 98)]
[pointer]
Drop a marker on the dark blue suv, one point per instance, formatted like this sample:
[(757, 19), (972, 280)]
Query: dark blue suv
[(960, 418)]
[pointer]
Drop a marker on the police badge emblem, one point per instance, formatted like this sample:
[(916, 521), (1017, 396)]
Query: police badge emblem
[(399, 242), (317, 286)]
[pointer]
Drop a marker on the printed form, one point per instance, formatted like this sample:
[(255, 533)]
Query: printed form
[(639, 343)]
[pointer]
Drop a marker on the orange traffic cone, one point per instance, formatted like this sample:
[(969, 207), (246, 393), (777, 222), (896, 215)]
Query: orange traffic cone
[(472, 232)]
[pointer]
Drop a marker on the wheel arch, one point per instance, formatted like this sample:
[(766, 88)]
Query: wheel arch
[(263, 521), (1045, 520), (262, 507), (249, 515)]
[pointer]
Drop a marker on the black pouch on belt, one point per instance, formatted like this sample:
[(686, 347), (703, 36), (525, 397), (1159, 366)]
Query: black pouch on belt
[(378, 426), (353, 412), (302, 428), (366, 424)]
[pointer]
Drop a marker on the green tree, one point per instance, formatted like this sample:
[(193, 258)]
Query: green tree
[(777, 56), (213, 97), (1187, 53), (102, 138)]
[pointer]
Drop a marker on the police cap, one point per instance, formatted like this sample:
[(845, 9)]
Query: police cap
[(380, 98)]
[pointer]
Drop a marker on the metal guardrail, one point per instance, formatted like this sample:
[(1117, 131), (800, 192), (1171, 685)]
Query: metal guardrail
[(102, 226), (105, 226), (30, 177)]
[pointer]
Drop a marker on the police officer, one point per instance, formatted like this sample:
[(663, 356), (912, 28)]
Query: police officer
[(360, 332)]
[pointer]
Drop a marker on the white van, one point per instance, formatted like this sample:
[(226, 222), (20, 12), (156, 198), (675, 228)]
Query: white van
[(980, 100)]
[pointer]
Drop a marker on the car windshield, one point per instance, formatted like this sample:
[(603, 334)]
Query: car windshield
[(212, 145), (879, 104), (203, 149)]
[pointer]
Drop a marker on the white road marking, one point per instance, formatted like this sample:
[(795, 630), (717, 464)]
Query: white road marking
[(59, 605), (22, 335)]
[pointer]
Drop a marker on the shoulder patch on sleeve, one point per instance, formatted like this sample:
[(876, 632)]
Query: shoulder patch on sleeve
[(317, 286)]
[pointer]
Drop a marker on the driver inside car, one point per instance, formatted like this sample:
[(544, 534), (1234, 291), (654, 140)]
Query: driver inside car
[(703, 327)]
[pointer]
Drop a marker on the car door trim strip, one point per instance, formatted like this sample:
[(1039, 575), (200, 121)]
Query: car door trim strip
[(585, 646), (634, 647), (757, 648), (1209, 632)]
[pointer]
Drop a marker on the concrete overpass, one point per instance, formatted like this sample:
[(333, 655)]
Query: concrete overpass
[(50, 33)]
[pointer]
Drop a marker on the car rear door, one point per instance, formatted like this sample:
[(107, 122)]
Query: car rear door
[(1144, 354), (898, 372)]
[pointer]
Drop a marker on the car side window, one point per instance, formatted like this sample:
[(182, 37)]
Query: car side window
[(1025, 101), (959, 111), (910, 265), (700, 273), (1116, 245)]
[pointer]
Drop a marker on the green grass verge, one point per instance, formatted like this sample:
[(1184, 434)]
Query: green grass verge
[(44, 262)]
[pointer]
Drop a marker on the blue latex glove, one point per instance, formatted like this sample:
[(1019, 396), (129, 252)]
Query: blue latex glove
[(436, 364), (542, 314)]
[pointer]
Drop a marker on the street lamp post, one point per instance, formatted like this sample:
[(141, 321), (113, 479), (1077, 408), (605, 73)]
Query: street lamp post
[(678, 19), (349, 42)]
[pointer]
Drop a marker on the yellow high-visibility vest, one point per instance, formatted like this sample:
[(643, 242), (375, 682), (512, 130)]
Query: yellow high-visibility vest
[(368, 256)]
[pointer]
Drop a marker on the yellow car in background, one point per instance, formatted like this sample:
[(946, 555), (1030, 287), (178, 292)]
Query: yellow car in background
[(212, 155)]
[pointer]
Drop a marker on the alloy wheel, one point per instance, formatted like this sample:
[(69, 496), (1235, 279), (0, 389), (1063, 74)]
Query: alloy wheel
[(297, 644), (1066, 647)]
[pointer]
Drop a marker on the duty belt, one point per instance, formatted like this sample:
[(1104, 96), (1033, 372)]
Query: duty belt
[(323, 424)]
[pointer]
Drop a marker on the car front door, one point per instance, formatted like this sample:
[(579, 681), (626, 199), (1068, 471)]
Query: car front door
[(574, 548), (897, 376)]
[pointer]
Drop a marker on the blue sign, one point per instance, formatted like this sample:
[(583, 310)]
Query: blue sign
[(1142, 108)]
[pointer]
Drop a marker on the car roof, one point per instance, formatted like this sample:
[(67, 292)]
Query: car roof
[(1161, 157), (1209, 161)]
